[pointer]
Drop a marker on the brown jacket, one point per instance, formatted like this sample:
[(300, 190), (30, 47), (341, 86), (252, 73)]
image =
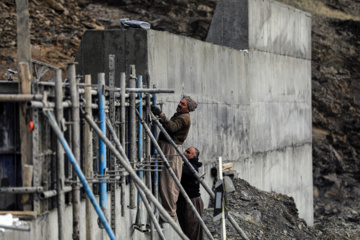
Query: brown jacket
[(177, 127)]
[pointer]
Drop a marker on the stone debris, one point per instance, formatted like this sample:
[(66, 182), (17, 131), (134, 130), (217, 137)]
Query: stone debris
[(270, 215)]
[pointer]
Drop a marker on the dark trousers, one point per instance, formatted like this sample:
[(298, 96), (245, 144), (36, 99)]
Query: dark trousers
[(187, 219)]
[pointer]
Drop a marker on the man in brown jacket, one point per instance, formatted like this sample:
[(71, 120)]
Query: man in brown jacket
[(178, 128)]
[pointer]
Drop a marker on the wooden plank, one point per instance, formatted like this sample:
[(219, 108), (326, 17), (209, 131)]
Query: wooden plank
[(25, 134), (27, 175), (21, 214), (23, 31), (227, 167)]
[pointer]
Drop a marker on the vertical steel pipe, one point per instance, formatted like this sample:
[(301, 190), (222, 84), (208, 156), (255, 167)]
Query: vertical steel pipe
[(88, 154), (102, 146), (140, 153), (74, 94), (78, 171), (122, 131), (172, 173), (148, 157), (60, 166), (196, 174), (112, 162), (125, 163), (132, 128), (156, 175)]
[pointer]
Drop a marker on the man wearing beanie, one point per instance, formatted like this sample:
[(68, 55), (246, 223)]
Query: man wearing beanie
[(178, 128)]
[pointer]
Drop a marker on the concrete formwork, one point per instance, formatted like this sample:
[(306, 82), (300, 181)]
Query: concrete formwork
[(254, 105)]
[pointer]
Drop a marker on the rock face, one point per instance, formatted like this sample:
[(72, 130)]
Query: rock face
[(57, 28)]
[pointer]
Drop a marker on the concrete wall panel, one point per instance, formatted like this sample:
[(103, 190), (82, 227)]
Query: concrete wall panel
[(278, 28), (285, 171), (263, 25), (251, 105)]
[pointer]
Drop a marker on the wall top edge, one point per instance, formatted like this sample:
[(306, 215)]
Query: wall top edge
[(307, 14)]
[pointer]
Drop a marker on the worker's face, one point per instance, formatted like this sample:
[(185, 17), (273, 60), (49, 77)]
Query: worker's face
[(182, 107), (190, 153)]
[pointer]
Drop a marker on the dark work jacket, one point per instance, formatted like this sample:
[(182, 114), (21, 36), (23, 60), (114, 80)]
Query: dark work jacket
[(189, 181)]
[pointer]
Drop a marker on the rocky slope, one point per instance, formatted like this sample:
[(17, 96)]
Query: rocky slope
[(57, 27)]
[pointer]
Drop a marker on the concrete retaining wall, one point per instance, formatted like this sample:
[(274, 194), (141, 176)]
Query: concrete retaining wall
[(252, 104)]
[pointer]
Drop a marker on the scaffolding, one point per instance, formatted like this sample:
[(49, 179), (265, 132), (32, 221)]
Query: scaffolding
[(51, 159), (122, 121)]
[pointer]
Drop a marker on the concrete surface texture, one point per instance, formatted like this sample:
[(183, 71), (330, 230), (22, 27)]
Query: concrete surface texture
[(264, 25)]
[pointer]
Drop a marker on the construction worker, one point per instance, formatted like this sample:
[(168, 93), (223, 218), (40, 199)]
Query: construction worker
[(178, 128), (187, 219)]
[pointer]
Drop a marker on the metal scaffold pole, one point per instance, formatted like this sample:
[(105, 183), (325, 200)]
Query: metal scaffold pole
[(78, 171), (102, 146), (140, 157), (122, 132), (132, 129), (74, 92), (60, 183), (88, 155)]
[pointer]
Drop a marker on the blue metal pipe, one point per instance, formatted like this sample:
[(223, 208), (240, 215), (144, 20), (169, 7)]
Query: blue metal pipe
[(78, 171), (102, 146), (140, 153)]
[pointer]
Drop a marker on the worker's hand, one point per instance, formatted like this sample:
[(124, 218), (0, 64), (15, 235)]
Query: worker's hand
[(155, 110), (162, 119)]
